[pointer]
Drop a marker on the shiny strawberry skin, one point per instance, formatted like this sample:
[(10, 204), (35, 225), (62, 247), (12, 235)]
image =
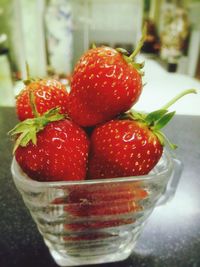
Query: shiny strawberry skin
[(48, 94), (103, 85), (60, 153), (121, 148)]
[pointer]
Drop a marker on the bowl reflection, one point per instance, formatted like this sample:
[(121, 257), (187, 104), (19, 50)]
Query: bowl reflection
[(94, 221)]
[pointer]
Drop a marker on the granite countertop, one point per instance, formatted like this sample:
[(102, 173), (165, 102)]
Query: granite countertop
[(171, 237)]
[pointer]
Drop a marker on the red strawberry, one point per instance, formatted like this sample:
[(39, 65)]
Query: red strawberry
[(48, 94), (105, 83), (107, 192), (100, 200), (51, 148), (102, 208), (111, 202), (131, 146), (123, 148)]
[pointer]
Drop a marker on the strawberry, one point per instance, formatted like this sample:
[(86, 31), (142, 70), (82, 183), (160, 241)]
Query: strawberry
[(107, 192), (48, 94), (131, 146), (105, 83), (101, 208), (51, 148), (123, 148), (103, 199)]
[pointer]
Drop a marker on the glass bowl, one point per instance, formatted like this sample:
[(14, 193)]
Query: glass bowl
[(96, 221)]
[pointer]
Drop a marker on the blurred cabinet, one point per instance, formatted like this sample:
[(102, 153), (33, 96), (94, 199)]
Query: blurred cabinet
[(111, 22), (59, 35), (187, 62), (57, 32), (194, 45), (28, 36), (6, 85)]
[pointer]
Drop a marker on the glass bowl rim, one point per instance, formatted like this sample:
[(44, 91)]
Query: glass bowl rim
[(18, 174)]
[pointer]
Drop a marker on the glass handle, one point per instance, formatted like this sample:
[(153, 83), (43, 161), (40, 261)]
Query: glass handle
[(173, 182)]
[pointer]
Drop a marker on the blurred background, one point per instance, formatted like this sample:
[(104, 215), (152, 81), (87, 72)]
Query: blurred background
[(52, 34)]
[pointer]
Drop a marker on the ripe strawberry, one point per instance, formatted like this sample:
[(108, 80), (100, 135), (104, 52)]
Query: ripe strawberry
[(48, 94), (131, 146), (123, 148), (106, 192), (102, 208), (102, 200), (51, 148), (105, 83)]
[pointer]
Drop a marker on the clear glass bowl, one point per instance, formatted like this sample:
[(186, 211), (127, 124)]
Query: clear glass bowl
[(96, 221)]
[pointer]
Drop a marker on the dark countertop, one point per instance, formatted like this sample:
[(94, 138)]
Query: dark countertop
[(171, 237)]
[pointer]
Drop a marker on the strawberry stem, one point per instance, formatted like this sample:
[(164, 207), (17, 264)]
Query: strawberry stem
[(29, 79), (27, 71), (157, 119), (176, 98), (32, 103), (140, 43)]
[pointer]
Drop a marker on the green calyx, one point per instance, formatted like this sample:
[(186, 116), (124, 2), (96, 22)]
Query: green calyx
[(155, 121), (130, 59), (158, 119), (27, 130)]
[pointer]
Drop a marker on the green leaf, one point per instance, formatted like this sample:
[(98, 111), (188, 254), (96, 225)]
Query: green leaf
[(160, 136), (132, 115), (155, 115), (27, 130), (57, 117), (137, 115), (21, 140), (163, 121), (33, 137), (138, 66), (21, 127), (164, 140), (26, 138), (122, 51), (51, 112)]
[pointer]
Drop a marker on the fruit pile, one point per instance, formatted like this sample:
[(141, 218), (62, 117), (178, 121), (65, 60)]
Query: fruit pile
[(90, 132)]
